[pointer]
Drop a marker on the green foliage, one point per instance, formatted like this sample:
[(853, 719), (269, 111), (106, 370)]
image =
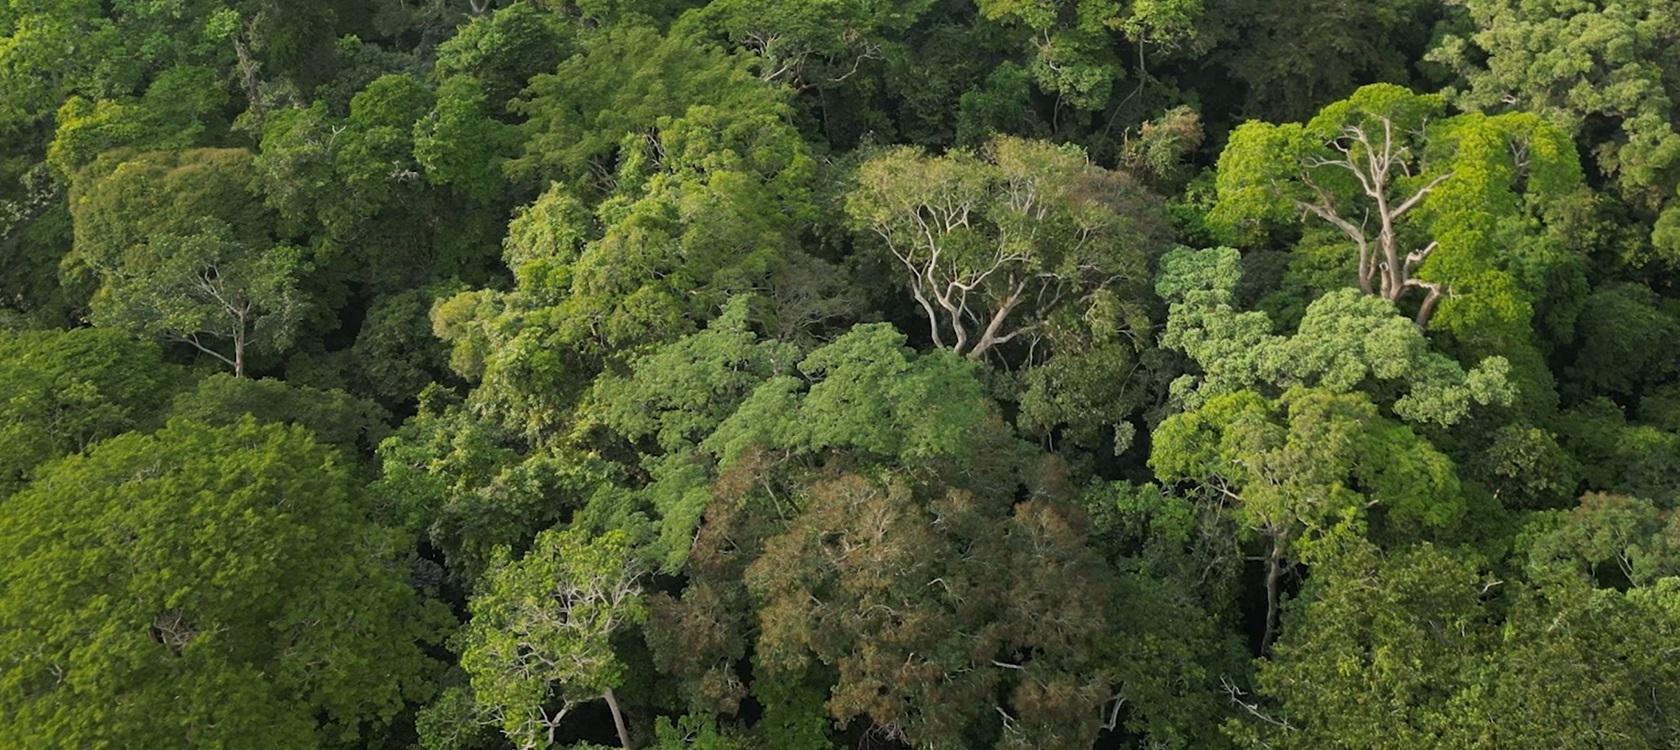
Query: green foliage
[(61, 391), (1379, 651), (463, 484), (170, 116), (395, 352), (820, 43), (808, 373), (207, 289), (680, 393), (1602, 643), (1293, 56), (1619, 455), (994, 245), (459, 144), (1076, 55), (123, 200), (118, 49), (1401, 649), (1622, 340), (539, 642), (369, 156), (704, 208), (503, 50), (867, 394), (1456, 211), (1590, 68), (621, 82), (1309, 462), (221, 579), (691, 732), (332, 417), (1346, 342), (1614, 540)]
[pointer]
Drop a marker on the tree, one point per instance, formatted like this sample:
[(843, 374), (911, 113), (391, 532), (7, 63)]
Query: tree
[(993, 245), (680, 393), (209, 290), (1600, 604), (539, 642), (470, 486), (1388, 173), (1621, 340), (504, 50), (809, 44), (1075, 53), (178, 110), (395, 353), (124, 199), (864, 392), (1620, 455), (1297, 469), (1379, 651), (1294, 56), (118, 51), (622, 82), (1346, 341), (334, 418), (704, 207), (929, 608), (63, 391), (1602, 643), (1349, 167), (837, 503), (1419, 647), (367, 157), (222, 581), (1604, 71), (459, 144)]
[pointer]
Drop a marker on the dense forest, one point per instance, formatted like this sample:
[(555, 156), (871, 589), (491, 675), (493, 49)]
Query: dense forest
[(802, 374)]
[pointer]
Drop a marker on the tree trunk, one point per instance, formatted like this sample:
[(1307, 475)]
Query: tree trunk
[(1427, 309), (618, 719), (1274, 581), (239, 356)]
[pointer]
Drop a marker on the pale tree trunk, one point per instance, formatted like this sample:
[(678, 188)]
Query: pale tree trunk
[(239, 336), (618, 719), (1274, 584), (1379, 257)]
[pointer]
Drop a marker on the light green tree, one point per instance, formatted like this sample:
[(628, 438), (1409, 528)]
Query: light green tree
[(1346, 341), (1579, 63), (540, 640), (209, 290), (1417, 194), (993, 245), (213, 586), (1296, 469)]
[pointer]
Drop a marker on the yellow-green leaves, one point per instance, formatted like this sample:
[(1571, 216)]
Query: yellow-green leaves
[(225, 581), (540, 640), (1346, 342)]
